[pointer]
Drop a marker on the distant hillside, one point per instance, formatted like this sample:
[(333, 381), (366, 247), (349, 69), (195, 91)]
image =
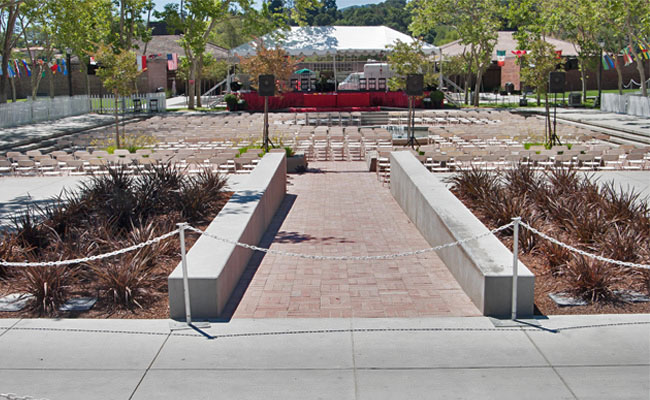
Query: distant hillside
[(391, 13)]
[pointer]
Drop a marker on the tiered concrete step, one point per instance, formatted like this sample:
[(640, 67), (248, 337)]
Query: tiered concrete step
[(374, 118)]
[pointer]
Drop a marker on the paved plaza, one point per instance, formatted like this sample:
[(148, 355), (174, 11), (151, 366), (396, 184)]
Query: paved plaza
[(571, 357), (341, 209), (18, 136), (301, 329)]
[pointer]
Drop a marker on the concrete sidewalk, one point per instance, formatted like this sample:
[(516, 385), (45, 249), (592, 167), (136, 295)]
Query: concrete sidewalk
[(590, 357), (19, 194)]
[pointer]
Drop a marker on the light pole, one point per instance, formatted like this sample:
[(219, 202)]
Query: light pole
[(600, 73), (68, 53)]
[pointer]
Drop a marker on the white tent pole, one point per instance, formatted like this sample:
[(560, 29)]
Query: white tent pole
[(334, 62)]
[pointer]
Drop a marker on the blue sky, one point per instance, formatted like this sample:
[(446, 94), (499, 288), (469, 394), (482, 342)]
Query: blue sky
[(340, 3)]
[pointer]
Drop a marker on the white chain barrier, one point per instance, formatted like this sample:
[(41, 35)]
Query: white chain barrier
[(582, 252), (320, 257), (91, 258), (351, 258)]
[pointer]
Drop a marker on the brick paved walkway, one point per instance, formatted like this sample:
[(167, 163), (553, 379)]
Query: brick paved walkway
[(345, 211)]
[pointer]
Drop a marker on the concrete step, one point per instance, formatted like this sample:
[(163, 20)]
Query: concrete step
[(615, 135), (374, 118)]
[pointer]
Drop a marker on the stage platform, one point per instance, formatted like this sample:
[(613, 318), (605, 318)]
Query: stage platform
[(327, 102), (332, 109)]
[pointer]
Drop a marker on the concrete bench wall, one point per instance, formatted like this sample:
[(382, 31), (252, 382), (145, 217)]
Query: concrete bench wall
[(482, 267), (215, 267)]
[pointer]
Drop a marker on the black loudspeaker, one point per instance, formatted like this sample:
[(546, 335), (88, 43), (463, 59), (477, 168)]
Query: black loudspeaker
[(414, 84), (92, 69), (267, 85), (556, 81)]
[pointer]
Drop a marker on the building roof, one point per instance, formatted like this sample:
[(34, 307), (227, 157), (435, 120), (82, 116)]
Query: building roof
[(164, 44), (506, 41), (329, 40)]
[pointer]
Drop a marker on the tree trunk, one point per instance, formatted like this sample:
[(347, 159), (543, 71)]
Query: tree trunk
[(117, 120), (619, 73), (122, 41), (36, 76), (477, 92), (12, 15), (641, 69), (199, 81), (583, 80), (191, 85)]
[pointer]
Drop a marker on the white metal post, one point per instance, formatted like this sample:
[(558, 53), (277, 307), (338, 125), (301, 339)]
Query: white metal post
[(336, 89), (515, 265), (186, 283)]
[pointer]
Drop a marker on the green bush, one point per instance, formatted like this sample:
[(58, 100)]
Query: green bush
[(231, 101), (436, 96)]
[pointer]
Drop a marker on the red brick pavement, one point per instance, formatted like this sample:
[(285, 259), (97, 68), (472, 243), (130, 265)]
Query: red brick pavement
[(344, 210)]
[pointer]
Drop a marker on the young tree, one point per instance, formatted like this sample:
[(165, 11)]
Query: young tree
[(128, 23), (405, 58), (477, 23), (118, 72), (462, 66), (270, 61), (38, 39), (632, 18), (9, 11), (79, 25), (575, 21), (535, 70)]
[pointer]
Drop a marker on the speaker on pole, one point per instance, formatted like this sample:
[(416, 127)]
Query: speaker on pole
[(266, 85), (414, 84), (556, 82)]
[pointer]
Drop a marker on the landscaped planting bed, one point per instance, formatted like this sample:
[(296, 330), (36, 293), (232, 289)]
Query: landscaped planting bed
[(601, 219), (109, 213)]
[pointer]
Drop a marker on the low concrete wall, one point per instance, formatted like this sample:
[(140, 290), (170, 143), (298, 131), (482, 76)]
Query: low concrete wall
[(626, 104), (482, 267), (214, 267)]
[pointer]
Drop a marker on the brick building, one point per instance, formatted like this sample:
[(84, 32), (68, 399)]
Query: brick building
[(497, 76), (154, 77)]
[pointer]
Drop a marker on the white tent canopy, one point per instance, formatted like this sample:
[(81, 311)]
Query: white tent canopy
[(332, 40)]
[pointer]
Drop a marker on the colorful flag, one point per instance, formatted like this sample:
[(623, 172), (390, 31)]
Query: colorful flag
[(65, 67), (142, 62), (53, 67), (12, 73), (643, 52), (519, 53), (172, 62), (608, 62), (17, 70), (92, 61), (627, 56), (29, 71), (558, 54), (501, 57)]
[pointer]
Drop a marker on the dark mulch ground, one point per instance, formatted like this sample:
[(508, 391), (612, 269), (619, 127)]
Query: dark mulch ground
[(157, 306), (546, 283)]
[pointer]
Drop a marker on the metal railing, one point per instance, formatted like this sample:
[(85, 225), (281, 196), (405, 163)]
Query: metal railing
[(140, 103)]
